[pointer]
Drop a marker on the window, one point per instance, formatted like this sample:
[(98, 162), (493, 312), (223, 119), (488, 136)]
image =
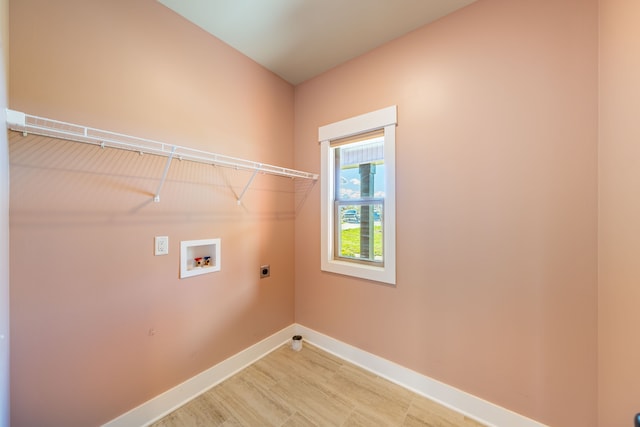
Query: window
[(358, 196)]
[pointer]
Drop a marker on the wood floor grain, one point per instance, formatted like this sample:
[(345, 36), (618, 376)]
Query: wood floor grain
[(310, 388)]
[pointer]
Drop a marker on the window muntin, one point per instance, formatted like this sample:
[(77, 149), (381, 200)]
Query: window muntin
[(348, 147)]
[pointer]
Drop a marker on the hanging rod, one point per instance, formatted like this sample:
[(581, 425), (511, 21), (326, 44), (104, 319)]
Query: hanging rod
[(26, 123)]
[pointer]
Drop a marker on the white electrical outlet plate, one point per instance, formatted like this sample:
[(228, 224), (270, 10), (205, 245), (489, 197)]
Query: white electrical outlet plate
[(162, 245)]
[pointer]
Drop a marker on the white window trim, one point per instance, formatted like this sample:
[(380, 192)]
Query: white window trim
[(386, 119)]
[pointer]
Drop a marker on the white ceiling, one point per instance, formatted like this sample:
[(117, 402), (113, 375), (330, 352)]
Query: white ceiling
[(299, 39)]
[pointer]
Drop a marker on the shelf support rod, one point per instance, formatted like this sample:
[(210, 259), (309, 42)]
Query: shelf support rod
[(246, 187), (156, 198)]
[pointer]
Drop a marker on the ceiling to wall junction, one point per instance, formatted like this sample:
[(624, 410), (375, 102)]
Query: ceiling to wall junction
[(299, 39)]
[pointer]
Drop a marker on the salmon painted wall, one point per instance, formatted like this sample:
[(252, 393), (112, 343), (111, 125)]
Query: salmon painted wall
[(99, 324), (619, 223), (4, 224), (496, 205)]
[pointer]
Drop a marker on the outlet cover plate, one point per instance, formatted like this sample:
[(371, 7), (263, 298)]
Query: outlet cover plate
[(162, 245)]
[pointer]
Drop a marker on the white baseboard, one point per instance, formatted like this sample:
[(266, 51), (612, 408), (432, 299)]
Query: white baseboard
[(165, 403), (460, 401)]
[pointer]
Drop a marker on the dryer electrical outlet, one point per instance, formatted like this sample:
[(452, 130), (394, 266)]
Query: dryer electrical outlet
[(265, 271), (162, 245)]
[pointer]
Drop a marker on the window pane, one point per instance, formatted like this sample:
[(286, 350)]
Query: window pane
[(361, 170), (360, 234), (360, 192)]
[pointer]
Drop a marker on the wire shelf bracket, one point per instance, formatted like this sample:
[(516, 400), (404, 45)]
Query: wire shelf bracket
[(25, 123), (246, 187), (156, 198)]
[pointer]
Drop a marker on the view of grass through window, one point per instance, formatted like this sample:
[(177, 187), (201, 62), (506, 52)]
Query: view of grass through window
[(350, 238)]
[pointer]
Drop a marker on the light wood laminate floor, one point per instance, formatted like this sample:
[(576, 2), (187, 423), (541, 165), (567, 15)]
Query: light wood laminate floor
[(310, 388)]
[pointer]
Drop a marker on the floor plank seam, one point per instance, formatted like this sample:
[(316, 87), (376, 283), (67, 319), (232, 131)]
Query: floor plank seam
[(310, 388)]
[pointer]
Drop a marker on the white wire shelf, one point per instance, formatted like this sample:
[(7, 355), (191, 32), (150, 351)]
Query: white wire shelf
[(25, 123)]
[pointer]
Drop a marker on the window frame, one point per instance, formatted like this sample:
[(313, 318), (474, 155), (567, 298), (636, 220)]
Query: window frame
[(385, 119)]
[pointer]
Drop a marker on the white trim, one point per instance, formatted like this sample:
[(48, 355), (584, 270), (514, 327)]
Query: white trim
[(167, 402), (386, 119), (458, 400), (359, 124)]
